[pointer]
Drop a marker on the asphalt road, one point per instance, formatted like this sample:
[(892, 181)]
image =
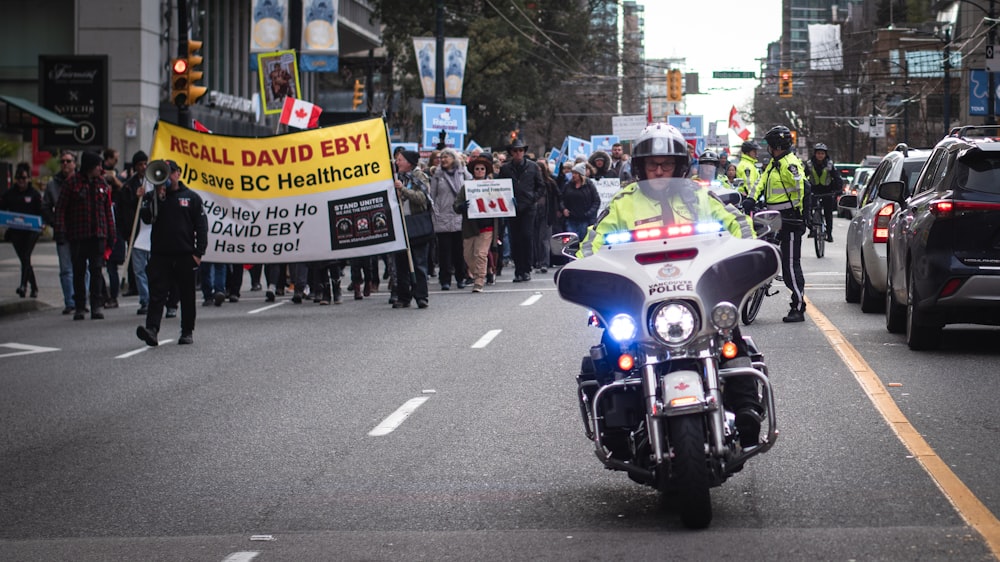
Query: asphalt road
[(255, 444)]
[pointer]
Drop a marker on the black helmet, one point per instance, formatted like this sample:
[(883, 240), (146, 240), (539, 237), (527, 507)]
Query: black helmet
[(820, 146), (748, 146), (660, 139), (779, 137)]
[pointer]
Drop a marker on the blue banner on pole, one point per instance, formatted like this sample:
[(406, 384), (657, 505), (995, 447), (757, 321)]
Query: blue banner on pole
[(979, 84)]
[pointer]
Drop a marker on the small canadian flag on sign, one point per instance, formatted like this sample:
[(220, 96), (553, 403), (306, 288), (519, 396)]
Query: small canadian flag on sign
[(300, 113)]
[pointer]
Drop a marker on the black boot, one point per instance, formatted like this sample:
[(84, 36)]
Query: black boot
[(796, 314)]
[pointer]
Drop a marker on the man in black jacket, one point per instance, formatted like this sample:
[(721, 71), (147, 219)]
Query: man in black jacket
[(178, 241), (528, 187)]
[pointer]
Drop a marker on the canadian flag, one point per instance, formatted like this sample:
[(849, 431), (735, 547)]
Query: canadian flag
[(736, 123), (300, 113)]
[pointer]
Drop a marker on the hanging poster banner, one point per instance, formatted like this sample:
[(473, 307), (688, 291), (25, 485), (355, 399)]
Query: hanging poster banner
[(426, 52), (268, 28), (320, 42), (456, 50)]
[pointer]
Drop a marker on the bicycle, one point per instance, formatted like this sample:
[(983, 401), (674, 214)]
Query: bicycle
[(817, 224), (752, 306)]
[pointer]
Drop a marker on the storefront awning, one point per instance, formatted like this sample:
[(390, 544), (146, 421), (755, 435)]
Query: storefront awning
[(16, 114)]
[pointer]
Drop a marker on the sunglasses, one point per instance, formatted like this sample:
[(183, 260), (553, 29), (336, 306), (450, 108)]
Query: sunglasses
[(66, 161)]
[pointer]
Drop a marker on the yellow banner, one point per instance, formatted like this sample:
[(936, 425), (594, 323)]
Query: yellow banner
[(313, 195)]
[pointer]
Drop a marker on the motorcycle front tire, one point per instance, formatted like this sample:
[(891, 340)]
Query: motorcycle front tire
[(689, 480)]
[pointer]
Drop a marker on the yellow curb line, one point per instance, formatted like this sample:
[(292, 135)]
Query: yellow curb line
[(965, 502)]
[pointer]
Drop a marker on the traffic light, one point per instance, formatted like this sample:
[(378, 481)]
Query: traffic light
[(183, 74), (359, 94), (178, 82), (785, 83), (194, 59), (675, 85), (795, 138)]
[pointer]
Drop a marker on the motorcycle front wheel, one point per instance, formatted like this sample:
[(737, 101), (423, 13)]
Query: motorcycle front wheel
[(752, 306), (689, 479)]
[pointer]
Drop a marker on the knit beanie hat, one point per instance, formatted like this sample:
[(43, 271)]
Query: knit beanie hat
[(89, 160), (412, 156)]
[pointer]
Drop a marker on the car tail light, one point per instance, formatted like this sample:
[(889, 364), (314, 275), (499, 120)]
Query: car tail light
[(881, 234), (950, 288), (947, 208)]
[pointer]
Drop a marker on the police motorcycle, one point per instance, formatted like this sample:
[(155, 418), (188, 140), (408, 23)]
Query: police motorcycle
[(651, 393)]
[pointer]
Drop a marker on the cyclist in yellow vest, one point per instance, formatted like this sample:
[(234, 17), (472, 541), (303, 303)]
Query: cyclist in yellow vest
[(826, 183), (781, 189), (746, 169)]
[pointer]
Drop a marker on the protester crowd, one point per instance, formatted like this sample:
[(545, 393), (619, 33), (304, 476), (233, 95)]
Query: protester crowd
[(92, 207)]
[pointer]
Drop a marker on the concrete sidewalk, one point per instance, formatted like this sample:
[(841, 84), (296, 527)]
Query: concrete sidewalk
[(46, 265)]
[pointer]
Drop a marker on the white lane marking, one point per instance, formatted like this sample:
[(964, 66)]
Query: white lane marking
[(140, 350), (268, 307), (532, 299), (396, 418), (245, 556), (486, 339), (25, 349)]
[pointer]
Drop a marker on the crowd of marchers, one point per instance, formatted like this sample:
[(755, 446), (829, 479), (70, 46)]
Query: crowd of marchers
[(94, 210)]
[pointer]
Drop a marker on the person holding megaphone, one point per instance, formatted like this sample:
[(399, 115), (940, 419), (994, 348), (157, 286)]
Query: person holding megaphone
[(178, 240)]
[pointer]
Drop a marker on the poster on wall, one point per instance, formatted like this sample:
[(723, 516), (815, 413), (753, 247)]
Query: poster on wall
[(279, 78)]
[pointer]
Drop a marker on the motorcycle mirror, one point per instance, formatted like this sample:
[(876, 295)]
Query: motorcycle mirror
[(565, 243), (765, 222)]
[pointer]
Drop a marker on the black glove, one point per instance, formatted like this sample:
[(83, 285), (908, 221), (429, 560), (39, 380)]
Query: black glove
[(749, 205), (462, 207)]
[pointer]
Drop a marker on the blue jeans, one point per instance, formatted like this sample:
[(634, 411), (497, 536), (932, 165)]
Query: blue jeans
[(577, 226), (66, 273), (140, 258), (213, 279)]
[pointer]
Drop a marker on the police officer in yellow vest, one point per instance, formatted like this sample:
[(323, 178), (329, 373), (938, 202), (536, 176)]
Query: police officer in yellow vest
[(825, 182), (781, 189), (746, 169), (660, 152)]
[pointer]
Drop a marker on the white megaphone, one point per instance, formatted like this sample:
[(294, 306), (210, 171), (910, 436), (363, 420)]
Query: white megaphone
[(158, 172)]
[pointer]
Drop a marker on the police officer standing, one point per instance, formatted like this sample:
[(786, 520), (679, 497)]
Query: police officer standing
[(781, 189), (746, 169), (178, 240)]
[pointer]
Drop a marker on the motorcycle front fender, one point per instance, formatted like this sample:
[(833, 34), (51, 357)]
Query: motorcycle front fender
[(683, 392)]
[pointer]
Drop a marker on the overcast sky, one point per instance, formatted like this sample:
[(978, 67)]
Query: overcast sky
[(717, 35)]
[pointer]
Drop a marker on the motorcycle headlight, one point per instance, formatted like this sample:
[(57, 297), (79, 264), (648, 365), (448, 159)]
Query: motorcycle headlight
[(675, 322), (622, 328), (725, 316)]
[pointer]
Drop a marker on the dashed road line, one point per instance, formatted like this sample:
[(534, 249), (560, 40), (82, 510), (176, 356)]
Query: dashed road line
[(140, 350), (396, 418), (532, 299), (244, 556), (268, 307), (486, 339)]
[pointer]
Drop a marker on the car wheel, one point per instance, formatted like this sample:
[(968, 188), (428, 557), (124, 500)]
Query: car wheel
[(895, 313), (920, 335), (852, 290), (870, 300)]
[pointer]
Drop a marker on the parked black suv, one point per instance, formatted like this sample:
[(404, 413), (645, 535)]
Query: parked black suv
[(944, 241)]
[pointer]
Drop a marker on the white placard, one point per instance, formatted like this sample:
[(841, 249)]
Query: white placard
[(490, 198)]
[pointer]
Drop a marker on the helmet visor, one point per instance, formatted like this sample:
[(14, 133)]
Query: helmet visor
[(707, 171)]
